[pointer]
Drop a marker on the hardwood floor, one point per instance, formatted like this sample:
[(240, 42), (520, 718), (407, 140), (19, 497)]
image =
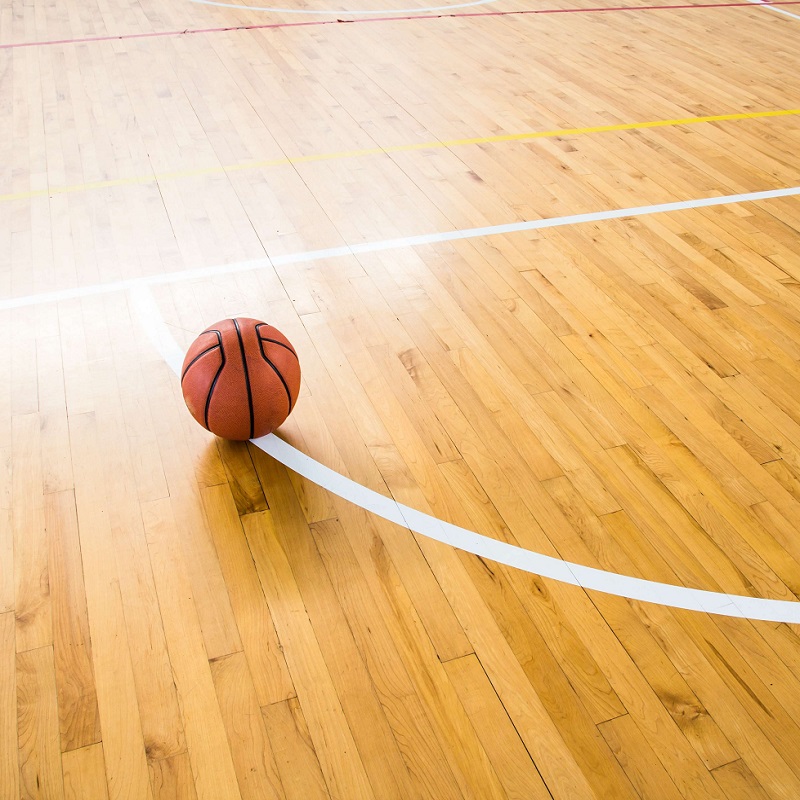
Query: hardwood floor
[(184, 617)]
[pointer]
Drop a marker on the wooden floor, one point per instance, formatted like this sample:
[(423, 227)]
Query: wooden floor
[(183, 617)]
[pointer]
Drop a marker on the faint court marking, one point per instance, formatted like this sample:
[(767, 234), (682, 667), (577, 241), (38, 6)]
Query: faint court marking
[(400, 148)]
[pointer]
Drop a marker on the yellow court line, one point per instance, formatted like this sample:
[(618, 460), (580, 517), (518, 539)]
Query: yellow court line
[(512, 137)]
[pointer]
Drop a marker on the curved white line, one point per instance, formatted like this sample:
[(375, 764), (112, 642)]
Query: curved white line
[(146, 308), (343, 12)]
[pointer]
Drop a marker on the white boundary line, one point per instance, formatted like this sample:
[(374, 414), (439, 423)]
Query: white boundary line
[(387, 244), (343, 12), (758, 3), (146, 309)]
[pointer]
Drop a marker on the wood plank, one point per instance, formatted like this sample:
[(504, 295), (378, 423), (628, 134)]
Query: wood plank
[(32, 602), (584, 674), (74, 357), (777, 381), (252, 754), (784, 475), (604, 641), (158, 705), (637, 759), (568, 714), (772, 734), (711, 445), (560, 768), (684, 706), (636, 699), (79, 721), (25, 390), (738, 782), (85, 773), (378, 628), (401, 367), (37, 726), (686, 381), (736, 532), (56, 460), (753, 734), (764, 651), (253, 616), (511, 761), (123, 744), (134, 410), (242, 478), (5, 364), (172, 778), (206, 739), (339, 760), (522, 703), (767, 417), (7, 581), (9, 762), (360, 703), (682, 535), (295, 758)]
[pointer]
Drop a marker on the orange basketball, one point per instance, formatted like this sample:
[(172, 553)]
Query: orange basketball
[(240, 378)]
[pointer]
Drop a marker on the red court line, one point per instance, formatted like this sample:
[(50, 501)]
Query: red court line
[(187, 31)]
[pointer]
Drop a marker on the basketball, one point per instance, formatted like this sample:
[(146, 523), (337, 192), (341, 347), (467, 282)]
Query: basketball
[(240, 378)]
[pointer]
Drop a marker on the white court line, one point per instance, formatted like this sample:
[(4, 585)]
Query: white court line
[(342, 12), (386, 244), (146, 309), (773, 8)]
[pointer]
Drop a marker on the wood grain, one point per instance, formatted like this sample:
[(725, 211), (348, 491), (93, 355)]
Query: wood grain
[(253, 758), (340, 760), (182, 617), (37, 726), (32, 597), (85, 774), (79, 722), (172, 777), (254, 620), (9, 762), (511, 761), (206, 740), (295, 759)]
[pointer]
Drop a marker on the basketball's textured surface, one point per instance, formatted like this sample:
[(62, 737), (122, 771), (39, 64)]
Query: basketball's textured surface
[(240, 378)]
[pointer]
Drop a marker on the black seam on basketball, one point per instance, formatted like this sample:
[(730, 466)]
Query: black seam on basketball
[(246, 379), (216, 377), (198, 357), (274, 341), (278, 373)]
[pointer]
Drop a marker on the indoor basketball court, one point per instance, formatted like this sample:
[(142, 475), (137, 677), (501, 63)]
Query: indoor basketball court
[(523, 277)]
